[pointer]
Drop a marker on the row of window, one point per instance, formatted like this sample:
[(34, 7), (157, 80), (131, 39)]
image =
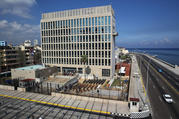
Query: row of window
[(74, 31), (90, 21), (103, 54), (92, 46), (82, 38), (100, 62)]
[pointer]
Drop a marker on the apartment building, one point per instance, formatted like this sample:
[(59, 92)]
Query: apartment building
[(68, 35), (9, 58)]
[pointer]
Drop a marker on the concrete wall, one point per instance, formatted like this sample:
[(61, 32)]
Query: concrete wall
[(6, 87), (22, 74), (96, 70), (39, 74), (21, 89)]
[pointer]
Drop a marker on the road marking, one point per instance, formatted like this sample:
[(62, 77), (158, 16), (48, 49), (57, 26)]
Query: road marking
[(160, 98), (161, 76), (163, 88), (59, 105)]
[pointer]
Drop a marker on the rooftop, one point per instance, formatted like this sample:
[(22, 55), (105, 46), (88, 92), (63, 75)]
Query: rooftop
[(79, 12), (32, 67)]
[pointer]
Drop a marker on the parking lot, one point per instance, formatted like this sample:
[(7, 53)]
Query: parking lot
[(12, 108)]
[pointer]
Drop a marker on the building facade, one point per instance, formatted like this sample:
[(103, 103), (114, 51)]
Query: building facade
[(68, 35), (3, 43), (9, 58)]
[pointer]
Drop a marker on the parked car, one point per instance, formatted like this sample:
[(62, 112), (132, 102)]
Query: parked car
[(167, 98)]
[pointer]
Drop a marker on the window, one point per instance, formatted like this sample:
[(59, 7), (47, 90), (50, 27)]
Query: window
[(109, 20), (83, 21), (96, 21), (106, 72), (92, 21), (105, 20), (80, 21), (75, 23), (86, 21), (102, 20), (71, 22), (89, 21), (99, 22), (134, 103)]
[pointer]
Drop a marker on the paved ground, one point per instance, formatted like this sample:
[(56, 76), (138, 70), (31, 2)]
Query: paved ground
[(27, 105), (157, 86), (136, 89)]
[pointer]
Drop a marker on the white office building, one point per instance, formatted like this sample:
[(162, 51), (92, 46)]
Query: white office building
[(67, 35)]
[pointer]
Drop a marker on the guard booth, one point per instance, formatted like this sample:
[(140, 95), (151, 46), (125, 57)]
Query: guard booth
[(134, 104)]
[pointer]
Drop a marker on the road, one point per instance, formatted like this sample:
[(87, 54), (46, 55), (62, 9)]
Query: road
[(160, 83)]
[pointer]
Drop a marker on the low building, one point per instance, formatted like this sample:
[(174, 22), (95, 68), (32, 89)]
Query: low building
[(37, 72), (3, 43)]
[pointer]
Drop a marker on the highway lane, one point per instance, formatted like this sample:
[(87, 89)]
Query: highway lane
[(171, 77), (157, 87)]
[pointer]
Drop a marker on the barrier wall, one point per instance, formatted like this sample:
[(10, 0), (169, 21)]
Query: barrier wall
[(21, 89), (139, 115), (6, 87)]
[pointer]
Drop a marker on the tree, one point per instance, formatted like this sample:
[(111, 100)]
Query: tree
[(84, 59)]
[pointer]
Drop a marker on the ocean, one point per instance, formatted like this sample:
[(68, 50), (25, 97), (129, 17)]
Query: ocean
[(170, 55)]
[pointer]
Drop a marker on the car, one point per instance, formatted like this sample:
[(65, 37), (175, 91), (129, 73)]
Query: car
[(160, 70), (168, 98)]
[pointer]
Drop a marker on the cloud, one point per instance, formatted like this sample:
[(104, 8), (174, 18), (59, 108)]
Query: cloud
[(16, 33), (17, 7)]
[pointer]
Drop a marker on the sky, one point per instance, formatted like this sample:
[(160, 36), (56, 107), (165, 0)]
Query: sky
[(139, 23)]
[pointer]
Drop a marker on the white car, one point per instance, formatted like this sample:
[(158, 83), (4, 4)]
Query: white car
[(167, 98)]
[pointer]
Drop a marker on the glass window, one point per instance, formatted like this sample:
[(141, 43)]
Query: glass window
[(71, 22), (89, 21), (80, 21), (109, 36), (105, 20), (99, 20), (102, 20), (109, 29), (92, 21), (96, 21), (106, 72), (86, 21), (109, 20), (83, 21), (74, 22), (77, 22)]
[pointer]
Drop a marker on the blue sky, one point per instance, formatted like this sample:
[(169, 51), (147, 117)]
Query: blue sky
[(140, 23)]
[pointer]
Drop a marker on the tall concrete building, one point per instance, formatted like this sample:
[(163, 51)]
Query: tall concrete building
[(68, 35)]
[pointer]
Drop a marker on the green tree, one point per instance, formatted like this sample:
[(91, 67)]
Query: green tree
[(84, 59)]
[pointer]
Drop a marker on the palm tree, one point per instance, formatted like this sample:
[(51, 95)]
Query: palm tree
[(84, 59)]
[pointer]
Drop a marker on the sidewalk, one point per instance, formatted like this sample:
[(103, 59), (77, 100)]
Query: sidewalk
[(138, 85)]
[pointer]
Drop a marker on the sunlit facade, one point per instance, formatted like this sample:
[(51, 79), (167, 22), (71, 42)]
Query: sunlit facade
[(67, 35)]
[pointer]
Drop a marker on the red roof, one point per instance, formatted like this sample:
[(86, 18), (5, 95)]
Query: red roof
[(126, 65), (28, 80), (134, 99)]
